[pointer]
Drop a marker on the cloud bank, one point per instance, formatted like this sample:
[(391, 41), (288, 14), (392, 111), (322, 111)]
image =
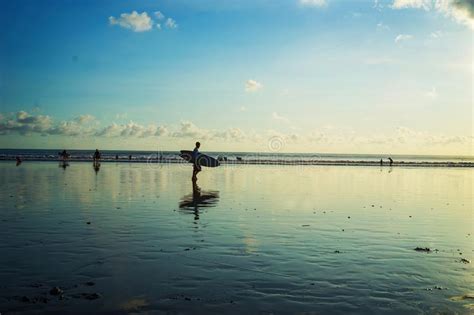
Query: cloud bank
[(88, 128), (461, 11)]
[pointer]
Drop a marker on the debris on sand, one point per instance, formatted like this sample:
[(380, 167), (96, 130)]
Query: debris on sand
[(436, 287), (465, 261), (305, 225), (421, 249), (337, 252), (56, 291), (88, 222), (90, 283)]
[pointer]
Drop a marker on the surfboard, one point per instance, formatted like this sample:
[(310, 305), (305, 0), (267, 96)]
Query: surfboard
[(202, 159)]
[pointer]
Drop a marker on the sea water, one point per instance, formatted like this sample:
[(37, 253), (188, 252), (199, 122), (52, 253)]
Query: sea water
[(142, 238)]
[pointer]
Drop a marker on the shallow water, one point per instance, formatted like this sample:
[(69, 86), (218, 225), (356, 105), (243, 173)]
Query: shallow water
[(249, 239)]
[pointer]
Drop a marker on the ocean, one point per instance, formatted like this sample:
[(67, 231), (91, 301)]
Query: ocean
[(244, 157)]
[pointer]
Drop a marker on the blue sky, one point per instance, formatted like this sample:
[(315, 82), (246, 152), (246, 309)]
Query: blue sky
[(322, 76)]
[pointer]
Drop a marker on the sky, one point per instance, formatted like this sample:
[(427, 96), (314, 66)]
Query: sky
[(326, 76)]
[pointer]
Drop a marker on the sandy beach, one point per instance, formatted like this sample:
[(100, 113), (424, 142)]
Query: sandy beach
[(141, 238)]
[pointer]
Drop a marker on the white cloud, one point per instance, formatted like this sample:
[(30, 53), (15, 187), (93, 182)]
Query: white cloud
[(231, 134), (313, 3), (252, 86), (277, 117), (243, 109), (461, 11), (382, 27), (141, 22), (170, 23), (432, 94), (403, 37), (377, 5), (83, 119), (25, 123), (159, 15), (436, 34), (137, 22), (161, 131), (417, 4), (188, 129), (132, 129)]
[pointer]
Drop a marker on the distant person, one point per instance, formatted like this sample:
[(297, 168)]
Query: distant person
[(391, 161), (116, 156), (130, 157), (64, 155), (96, 155), (18, 160), (381, 162), (196, 166)]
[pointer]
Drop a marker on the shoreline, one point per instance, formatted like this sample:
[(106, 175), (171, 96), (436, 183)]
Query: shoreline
[(263, 162)]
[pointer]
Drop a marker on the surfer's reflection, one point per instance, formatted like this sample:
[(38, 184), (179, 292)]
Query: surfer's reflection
[(63, 164), (198, 199), (96, 167)]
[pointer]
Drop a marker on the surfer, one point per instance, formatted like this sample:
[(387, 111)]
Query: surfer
[(196, 166), (391, 161), (96, 155), (64, 155)]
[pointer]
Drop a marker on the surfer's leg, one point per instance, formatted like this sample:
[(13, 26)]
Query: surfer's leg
[(196, 170)]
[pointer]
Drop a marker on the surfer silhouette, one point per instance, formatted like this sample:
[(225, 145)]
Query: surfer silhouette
[(196, 166), (64, 155), (96, 156), (390, 160)]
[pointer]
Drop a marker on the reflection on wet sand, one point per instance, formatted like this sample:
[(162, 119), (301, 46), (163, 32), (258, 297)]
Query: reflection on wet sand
[(198, 199), (96, 166), (63, 164)]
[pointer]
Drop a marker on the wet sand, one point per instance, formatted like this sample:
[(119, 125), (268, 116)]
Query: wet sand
[(140, 238)]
